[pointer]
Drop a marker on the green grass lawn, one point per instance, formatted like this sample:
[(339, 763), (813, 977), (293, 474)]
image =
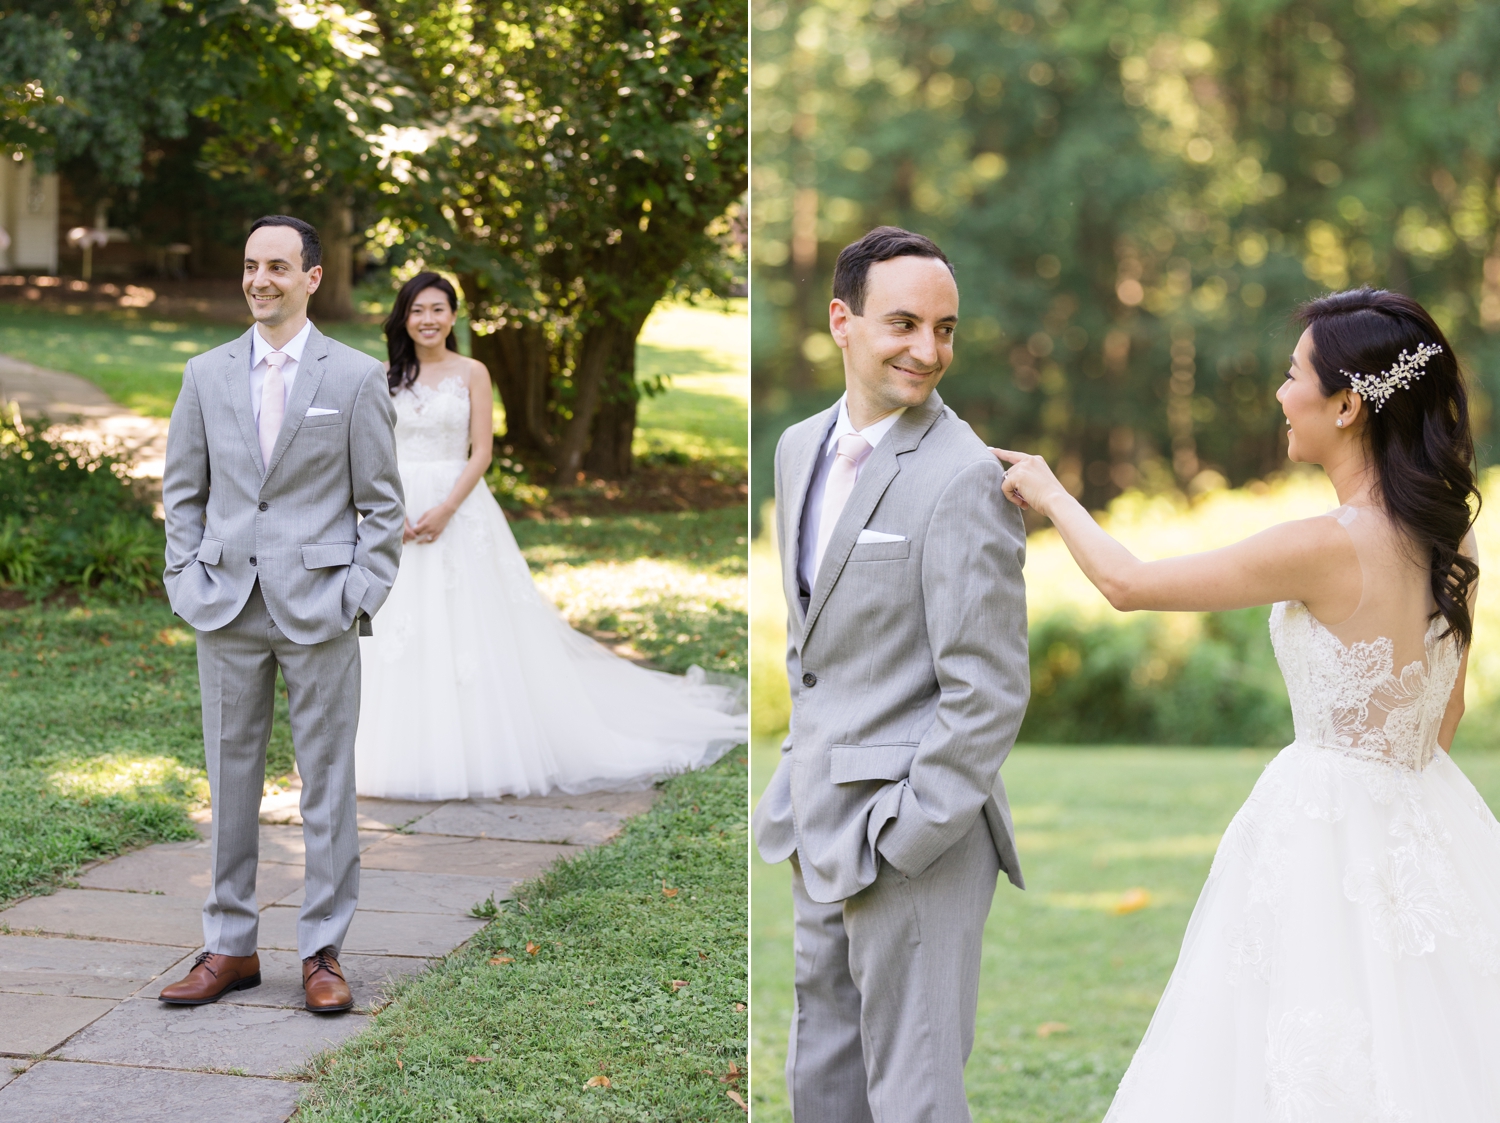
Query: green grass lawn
[(134, 357), (103, 747), (1092, 824), (137, 358), (630, 1004)]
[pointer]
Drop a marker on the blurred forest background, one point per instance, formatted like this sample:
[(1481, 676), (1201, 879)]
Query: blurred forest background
[(1136, 194)]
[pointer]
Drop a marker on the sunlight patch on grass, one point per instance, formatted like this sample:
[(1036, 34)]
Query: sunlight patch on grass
[(131, 775), (679, 613)]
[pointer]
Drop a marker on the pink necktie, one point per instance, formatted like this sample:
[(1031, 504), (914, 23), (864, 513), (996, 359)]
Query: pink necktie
[(272, 406), (841, 477)]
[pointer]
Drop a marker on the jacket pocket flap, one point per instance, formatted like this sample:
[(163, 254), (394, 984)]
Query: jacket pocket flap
[(872, 762), (210, 550), (880, 551), (320, 555)]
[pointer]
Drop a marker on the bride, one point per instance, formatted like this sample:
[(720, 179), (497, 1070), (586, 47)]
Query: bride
[(1342, 964), (473, 685)]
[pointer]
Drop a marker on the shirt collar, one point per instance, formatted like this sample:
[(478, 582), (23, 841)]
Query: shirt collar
[(871, 433), (260, 348)]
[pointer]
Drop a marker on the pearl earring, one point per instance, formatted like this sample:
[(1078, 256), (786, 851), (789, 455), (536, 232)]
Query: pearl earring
[(1340, 423)]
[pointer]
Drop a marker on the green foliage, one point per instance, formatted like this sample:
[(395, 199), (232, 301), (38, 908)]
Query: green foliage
[(599, 996), (1136, 682), (1135, 195), (71, 518), (574, 165)]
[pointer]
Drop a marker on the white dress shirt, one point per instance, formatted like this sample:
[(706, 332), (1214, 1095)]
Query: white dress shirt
[(812, 509), (259, 349)]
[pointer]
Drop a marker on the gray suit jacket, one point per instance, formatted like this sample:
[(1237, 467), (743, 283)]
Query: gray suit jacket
[(908, 662), (320, 525)]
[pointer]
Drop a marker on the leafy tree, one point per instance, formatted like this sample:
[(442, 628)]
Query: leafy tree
[(1136, 196), (294, 96), (577, 163)]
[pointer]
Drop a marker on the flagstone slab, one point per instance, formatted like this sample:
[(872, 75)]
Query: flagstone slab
[(624, 804), (59, 1090), (142, 918), (284, 843), (256, 1040), (392, 814), (80, 968), (378, 933), (35, 1023), (516, 822), (370, 979), (181, 869), (405, 891), (471, 857), (374, 814), (9, 1070)]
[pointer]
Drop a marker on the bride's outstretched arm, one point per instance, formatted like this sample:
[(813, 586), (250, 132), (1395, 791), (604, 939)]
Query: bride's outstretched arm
[(1311, 560)]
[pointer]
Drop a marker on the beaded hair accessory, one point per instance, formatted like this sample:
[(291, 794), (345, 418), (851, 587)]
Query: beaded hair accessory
[(1375, 389)]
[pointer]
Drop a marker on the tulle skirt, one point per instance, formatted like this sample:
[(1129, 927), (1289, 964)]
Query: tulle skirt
[(474, 686), (1342, 963)]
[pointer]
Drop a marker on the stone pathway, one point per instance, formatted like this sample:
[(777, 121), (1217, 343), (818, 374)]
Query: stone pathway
[(85, 414), (83, 1038)]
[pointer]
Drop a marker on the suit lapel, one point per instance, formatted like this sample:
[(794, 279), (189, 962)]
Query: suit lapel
[(309, 375), (803, 462), (240, 351), (874, 478)]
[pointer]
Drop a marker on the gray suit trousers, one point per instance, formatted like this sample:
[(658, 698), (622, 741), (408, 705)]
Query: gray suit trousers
[(887, 984), (237, 671)]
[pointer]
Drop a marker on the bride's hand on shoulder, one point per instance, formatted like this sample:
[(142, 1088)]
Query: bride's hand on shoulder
[(1029, 482)]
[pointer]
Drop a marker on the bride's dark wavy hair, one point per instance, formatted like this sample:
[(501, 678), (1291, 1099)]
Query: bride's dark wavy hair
[(399, 345), (1419, 440)]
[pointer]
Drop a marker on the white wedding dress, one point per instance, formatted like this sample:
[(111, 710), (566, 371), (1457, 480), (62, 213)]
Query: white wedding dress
[(473, 684), (1343, 962)]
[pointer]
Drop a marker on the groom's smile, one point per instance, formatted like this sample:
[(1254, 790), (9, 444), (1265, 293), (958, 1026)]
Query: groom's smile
[(898, 346)]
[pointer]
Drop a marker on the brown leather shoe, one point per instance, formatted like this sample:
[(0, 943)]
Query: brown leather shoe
[(213, 976), (323, 983)]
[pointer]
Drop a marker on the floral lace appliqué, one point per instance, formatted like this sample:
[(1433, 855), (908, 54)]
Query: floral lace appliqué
[(1319, 1070)]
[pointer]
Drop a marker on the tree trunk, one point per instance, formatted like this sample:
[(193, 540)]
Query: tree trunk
[(593, 359), (334, 299), (610, 453), (519, 366)]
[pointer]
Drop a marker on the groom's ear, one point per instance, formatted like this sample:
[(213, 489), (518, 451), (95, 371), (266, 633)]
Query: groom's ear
[(314, 278), (839, 316)]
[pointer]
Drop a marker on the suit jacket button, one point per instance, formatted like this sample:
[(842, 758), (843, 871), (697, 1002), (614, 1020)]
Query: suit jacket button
[(252, 559), (809, 680), (263, 506)]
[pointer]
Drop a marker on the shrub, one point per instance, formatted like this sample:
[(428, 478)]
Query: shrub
[(70, 517), (1157, 679)]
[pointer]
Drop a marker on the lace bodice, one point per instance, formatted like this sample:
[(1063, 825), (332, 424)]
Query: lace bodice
[(1353, 699), (432, 422)]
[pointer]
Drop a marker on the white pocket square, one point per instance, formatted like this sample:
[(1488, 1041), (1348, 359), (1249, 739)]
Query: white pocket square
[(868, 535), (319, 411)]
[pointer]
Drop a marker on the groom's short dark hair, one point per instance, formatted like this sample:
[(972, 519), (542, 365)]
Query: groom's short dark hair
[(312, 246), (881, 244)]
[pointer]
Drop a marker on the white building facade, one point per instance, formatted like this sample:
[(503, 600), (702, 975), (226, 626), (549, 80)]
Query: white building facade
[(29, 216)]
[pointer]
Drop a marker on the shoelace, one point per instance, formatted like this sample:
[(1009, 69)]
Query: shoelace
[(202, 961), (323, 961)]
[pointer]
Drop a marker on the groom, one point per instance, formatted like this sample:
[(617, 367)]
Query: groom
[(906, 650), (284, 519)]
